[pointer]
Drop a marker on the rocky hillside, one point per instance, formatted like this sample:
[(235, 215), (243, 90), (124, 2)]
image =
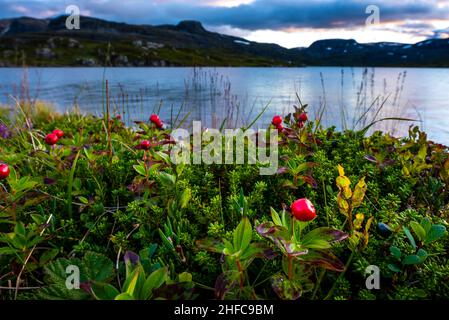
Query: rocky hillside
[(47, 42)]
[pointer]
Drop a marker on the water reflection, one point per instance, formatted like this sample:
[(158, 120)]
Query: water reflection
[(347, 97)]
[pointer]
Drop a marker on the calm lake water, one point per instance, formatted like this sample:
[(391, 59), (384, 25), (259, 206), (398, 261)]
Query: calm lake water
[(347, 97)]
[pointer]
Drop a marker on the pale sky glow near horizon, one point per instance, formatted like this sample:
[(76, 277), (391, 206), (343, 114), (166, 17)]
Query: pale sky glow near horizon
[(289, 23)]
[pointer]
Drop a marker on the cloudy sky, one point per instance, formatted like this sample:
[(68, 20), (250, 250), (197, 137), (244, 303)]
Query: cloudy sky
[(290, 23)]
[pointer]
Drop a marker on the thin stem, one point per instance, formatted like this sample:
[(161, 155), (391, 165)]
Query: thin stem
[(331, 291), (239, 266), (317, 285), (260, 272), (200, 285)]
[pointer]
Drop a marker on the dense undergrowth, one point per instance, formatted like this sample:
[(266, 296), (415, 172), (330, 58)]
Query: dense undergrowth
[(136, 226)]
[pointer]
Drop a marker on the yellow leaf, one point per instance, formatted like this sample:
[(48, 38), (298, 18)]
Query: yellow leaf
[(343, 182), (359, 217), (405, 171), (359, 193), (341, 171), (342, 205), (368, 224), (422, 152), (366, 232), (347, 193)]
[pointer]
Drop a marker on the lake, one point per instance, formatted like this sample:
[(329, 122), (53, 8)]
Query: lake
[(346, 97)]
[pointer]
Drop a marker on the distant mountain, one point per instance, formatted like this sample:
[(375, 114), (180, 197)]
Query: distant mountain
[(433, 52), (47, 42)]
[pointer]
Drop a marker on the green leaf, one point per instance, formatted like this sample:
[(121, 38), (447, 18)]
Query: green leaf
[(185, 277), (436, 231), (56, 277), (422, 254), (20, 229), (8, 250), (83, 200), (37, 218), (104, 291), (410, 237), (124, 296), (419, 230), (426, 224), (167, 179), (154, 281), (131, 282), (329, 235), (422, 152), (98, 267), (275, 217), (317, 244), (254, 249), (166, 241), (48, 256), (395, 252), (140, 170), (394, 268), (242, 235), (411, 259), (147, 253), (228, 247), (185, 198), (163, 156), (211, 245)]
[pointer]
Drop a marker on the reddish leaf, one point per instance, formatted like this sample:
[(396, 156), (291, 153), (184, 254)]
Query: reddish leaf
[(284, 288), (323, 259), (309, 179), (371, 158)]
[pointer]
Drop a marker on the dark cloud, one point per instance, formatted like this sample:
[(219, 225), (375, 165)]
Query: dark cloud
[(416, 29), (260, 14), (416, 25), (271, 14), (441, 33)]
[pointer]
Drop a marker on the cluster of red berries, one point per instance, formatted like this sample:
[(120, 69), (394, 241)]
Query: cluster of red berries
[(303, 210), (277, 122), (4, 171), (52, 138), (154, 118)]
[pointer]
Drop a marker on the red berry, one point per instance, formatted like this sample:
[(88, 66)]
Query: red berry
[(4, 171), (155, 118), (303, 117), (280, 127), (51, 139), (58, 133), (277, 120), (300, 124), (303, 210), (145, 144), (159, 124)]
